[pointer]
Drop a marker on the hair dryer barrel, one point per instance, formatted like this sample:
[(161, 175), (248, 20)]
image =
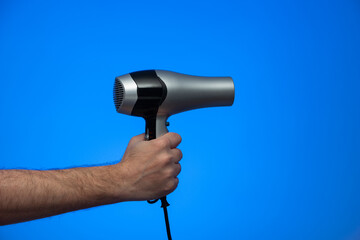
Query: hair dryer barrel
[(186, 92)]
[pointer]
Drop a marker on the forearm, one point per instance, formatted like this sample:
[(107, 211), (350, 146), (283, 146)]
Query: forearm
[(148, 170), (31, 194)]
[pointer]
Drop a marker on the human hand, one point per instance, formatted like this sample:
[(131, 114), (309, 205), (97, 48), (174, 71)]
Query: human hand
[(149, 169)]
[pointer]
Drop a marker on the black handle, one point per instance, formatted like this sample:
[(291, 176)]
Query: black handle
[(150, 128)]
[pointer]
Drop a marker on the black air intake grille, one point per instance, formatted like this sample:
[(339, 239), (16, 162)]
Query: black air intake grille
[(118, 93)]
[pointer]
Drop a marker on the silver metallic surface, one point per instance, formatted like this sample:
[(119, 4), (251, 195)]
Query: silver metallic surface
[(186, 92), (130, 94), (161, 128)]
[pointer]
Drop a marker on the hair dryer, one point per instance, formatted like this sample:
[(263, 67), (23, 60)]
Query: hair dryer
[(155, 95)]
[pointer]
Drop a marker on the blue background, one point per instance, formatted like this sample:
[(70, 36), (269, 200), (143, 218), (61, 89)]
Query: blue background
[(282, 163)]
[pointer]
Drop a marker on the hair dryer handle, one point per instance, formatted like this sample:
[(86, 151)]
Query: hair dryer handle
[(156, 127)]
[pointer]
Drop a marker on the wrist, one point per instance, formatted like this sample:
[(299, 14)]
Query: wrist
[(117, 189)]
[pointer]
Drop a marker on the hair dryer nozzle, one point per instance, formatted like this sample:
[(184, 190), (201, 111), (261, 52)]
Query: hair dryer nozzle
[(186, 92)]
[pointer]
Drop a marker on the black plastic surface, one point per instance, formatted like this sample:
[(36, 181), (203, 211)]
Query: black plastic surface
[(151, 94)]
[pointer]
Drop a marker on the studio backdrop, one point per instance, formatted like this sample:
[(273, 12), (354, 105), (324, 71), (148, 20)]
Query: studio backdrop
[(282, 163)]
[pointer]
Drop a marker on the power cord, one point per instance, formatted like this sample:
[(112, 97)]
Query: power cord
[(164, 205)]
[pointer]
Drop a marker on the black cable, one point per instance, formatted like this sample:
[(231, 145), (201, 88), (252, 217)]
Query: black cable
[(153, 201), (164, 205)]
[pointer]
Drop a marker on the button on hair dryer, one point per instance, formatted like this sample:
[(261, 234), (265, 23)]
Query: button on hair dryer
[(155, 95)]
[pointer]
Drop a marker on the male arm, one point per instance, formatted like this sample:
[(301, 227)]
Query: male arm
[(148, 170)]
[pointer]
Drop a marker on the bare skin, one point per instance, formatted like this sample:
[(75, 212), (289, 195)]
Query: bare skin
[(148, 170)]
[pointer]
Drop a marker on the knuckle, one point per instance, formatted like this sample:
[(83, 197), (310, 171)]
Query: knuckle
[(162, 143), (175, 135), (176, 155), (171, 185), (169, 173), (178, 169), (179, 154), (168, 188), (175, 183), (179, 138), (176, 138), (166, 158)]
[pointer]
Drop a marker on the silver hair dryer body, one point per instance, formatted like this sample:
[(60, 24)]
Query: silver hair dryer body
[(157, 94)]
